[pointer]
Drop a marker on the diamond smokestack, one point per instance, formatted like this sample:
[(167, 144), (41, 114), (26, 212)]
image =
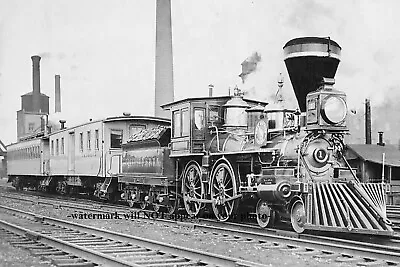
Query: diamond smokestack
[(308, 60), (36, 96), (57, 102), (164, 91)]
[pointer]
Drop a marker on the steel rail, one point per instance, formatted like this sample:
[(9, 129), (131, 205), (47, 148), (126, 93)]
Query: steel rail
[(364, 249), (85, 253), (197, 256)]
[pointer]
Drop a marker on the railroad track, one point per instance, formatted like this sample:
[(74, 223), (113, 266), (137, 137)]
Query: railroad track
[(66, 242), (392, 210), (363, 252), (394, 214)]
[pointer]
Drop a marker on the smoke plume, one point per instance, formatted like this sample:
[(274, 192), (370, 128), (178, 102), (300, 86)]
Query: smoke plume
[(250, 65)]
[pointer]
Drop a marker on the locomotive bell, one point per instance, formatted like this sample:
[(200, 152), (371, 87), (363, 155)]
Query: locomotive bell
[(236, 116)]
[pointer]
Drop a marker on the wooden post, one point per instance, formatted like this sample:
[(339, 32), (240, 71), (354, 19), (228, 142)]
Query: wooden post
[(368, 122), (383, 167)]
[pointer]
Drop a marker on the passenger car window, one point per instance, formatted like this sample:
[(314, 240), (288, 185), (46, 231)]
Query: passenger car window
[(116, 138), (96, 139)]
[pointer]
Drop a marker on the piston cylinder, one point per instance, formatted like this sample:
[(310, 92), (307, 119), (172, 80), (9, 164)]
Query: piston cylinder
[(274, 192)]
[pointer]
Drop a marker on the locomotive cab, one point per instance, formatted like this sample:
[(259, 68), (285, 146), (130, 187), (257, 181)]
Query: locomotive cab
[(196, 122)]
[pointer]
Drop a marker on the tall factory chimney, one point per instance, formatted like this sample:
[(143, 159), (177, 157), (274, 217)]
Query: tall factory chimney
[(36, 83), (57, 107), (368, 139), (164, 91)]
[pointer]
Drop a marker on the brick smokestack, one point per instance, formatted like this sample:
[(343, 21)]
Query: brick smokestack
[(380, 139), (57, 107), (36, 83), (164, 91)]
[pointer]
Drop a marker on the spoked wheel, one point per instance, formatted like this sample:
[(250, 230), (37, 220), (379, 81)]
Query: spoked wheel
[(265, 215), (223, 192), (192, 188), (63, 188), (298, 216)]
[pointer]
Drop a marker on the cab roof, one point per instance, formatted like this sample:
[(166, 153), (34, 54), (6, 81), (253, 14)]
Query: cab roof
[(212, 98)]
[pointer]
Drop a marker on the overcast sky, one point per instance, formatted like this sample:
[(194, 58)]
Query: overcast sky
[(104, 50)]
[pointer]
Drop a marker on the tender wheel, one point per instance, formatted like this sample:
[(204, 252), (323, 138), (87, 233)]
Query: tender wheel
[(298, 216), (63, 188), (17, 184), (265, 215), (131, 203), (143, 205), (171, 208), (156, 207), (192, 188), (223, 192)]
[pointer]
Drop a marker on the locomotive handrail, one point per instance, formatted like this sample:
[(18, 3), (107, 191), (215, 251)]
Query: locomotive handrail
[(217, 135), (119, 165), (348, 166), (100, 164), (306, 166)]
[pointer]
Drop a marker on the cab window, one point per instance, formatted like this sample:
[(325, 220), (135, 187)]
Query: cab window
[(177, 123), (181, 123), (214, 114), (199, 115), (185, 122)]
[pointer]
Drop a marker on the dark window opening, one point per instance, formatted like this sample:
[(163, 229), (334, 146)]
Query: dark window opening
[(214, 114), (116, 138), (96, 141), (81, 142)]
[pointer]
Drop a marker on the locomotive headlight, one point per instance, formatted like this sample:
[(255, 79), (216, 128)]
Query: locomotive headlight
[(334, 109), (261, 132)]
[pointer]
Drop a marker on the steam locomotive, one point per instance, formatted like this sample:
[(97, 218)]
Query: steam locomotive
[(228, 152)]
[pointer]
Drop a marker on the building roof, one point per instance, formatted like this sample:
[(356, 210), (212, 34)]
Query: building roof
[(373, 153), (3, 149), (222, 98), (143, 118)]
